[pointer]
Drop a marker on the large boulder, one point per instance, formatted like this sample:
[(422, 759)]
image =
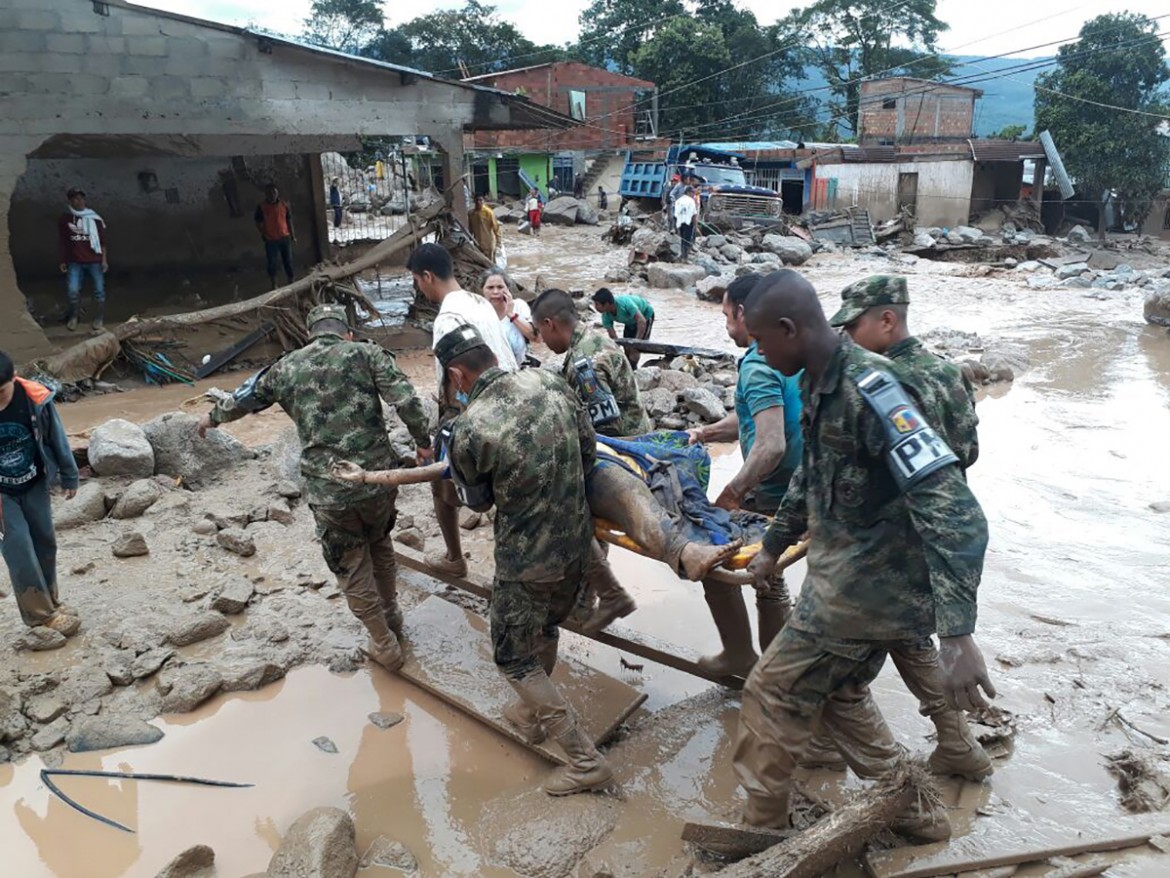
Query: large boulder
[(321, 844), (586, 214), (711, 289), (178, 450), (195, 862), (107, 731), (1157, 307), (1079, 235), (120, 448), (89, 505), (1075, 269), (791, 249), (659, 402), (968, 234), (668, 276), (656, 244), (705, 404), (561, 211)]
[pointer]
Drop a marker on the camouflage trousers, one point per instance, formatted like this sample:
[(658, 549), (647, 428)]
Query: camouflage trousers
[(787, 698), (524, 620), (358, 549)]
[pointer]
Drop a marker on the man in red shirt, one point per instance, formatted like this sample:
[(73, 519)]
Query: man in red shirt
[(274, 220), (81, 240)]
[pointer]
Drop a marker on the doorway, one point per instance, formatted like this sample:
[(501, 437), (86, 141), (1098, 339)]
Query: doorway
[(908, 192)]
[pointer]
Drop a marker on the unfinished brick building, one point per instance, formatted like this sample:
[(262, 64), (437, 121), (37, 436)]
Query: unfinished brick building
[(901, 111)]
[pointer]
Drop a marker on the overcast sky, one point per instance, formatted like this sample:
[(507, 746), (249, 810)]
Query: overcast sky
[(978, 27)]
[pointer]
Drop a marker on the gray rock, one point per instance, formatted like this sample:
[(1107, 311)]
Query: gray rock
[(725, 379), (44, 708), (5, 755), (732, 252), (151, 661), (709, 265), (1041, 282), (195, 862), (715, 242), (88, 506), (411, 537), (921, 239), (1004, 361), (234, 595), (184, 689), (390, 854), (586, 214), (647, 377), (1156, 308), (120, 448), (968, 234), (672, 422), (1075, 269), (705, 404), (676, 381), (667, 276), (770, 261), (1076, 283), (1029, 265), (107, 731), (791, 249), (1079, 235), (324, 744), (50, 736), (271, 630), (617, 276), (244, 675), (136, 499), (205, 527), (119, 668), (321, 844), (656, 243), (561, 211), (178, 450), (85, 685), (1160, 506), (236, 540), (279, 511), (130, 545), (659, 402), (40, 639), (385, 720), (711, 289), (288, 490), (201, 627)]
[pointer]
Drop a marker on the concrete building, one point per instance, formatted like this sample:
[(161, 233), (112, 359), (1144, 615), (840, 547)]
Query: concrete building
[(901, 110), (615, 112), (173, 125)]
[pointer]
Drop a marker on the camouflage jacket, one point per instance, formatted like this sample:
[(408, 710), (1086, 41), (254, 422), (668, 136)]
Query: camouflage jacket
[(882, 564), (615, 372), (331, 388), (527, 433), (946, 396)]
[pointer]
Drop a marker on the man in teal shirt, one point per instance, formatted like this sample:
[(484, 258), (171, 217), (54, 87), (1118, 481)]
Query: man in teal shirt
[(634, 313), (766, 421)]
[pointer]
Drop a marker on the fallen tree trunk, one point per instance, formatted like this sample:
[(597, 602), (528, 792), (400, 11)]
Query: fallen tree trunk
[(839, 836)]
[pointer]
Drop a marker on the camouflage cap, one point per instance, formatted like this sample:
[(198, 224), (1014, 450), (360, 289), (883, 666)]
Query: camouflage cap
[(327, 312), (877, 289), (457, 342)]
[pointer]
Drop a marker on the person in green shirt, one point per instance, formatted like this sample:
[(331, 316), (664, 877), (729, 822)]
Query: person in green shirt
[(634, 313)]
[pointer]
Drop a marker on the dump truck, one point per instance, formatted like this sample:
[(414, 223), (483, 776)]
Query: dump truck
[(726, 197)]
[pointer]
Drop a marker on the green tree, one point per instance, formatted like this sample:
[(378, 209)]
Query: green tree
[(1095, 104), (849, 40), (346, 25), (474, 36), (680, 53), (1009, 132), (613, 30)]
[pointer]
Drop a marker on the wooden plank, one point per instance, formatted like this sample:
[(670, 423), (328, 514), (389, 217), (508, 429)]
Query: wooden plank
[(449, 654), (733, 839), (634, 642), (663, 349), (225, 356), (928, 862)]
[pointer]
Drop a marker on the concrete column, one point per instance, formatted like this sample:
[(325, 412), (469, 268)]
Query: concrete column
[(1038, 183), (320, 207), (451, 145), (21, 337)]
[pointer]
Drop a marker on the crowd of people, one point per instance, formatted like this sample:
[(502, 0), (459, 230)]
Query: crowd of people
[(853, 437)]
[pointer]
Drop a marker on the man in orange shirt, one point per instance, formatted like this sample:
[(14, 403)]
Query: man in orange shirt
[(274, 220)]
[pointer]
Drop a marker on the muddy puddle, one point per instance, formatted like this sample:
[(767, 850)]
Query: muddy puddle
[(1074, 622)]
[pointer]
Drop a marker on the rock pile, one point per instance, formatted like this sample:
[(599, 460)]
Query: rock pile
[(686, 392), (564, 210)]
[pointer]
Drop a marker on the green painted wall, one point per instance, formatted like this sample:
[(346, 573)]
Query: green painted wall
[(538, 166), (492, 179)]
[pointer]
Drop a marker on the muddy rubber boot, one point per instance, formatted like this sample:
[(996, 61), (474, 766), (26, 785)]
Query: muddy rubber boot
[(613, 601), (71, 320), (63, 624), (822, 755), (520, 716), (958, 753), (923, 821), (735, 632), (772, 614), (767, 813), (99, 320), (440, 562), (383, 647)]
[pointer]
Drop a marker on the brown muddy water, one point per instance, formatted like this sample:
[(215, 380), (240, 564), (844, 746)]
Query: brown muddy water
[(1074, 622)]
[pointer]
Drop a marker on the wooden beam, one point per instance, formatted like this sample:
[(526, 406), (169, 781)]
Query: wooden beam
[(672, 350), (733, 839), (633, 642), (929, 862)]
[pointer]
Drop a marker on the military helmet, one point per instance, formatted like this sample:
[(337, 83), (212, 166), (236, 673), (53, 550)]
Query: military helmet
[(331, 311), (457, 342), (870, 292)]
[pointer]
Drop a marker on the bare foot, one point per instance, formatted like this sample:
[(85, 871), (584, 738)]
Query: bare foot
[(698, 560)]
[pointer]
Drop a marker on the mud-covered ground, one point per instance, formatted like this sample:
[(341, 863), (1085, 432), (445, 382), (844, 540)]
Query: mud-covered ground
[(1075, 623)]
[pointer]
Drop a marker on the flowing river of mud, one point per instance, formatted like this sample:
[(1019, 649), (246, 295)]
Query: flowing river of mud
[(1074, 621)]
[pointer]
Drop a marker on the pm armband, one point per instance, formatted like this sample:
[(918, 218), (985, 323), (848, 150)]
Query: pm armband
[(913, 449)]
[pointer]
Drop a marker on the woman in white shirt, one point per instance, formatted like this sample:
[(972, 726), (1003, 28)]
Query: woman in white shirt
[(515, 315)]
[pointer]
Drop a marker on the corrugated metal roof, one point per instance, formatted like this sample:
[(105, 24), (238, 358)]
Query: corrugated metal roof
[(751, 145), (869, 153), (1005, 150)]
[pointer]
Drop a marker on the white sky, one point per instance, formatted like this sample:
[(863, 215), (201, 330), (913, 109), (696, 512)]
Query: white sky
[(978, 27)]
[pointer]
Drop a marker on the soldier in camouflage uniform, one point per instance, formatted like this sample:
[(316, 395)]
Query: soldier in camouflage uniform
[(873, 312), (523, 444), (333, 388), (897, 545)]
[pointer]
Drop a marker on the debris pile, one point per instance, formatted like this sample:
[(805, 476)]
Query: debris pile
[(1142, 778), (686, 392), (982, 362)]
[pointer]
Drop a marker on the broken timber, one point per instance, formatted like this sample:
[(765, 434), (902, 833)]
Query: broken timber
[(672, 350), (633, 642), (734, 839), (840, 836), (928, 861), (449, 654), (218, 361)]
